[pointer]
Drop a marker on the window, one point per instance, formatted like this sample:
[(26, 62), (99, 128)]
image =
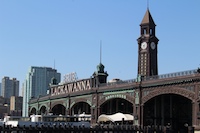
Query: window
[(151, 31), (144, 31)]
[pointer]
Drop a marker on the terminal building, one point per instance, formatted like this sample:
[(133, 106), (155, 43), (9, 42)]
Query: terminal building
[(152, 99)]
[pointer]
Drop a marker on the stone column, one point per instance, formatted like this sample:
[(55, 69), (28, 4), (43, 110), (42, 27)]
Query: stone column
[(93, 115), (194, 113), (195, 106), (141, 119)]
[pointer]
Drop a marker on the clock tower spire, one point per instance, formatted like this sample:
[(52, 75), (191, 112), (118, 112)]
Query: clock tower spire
[(147, 47)]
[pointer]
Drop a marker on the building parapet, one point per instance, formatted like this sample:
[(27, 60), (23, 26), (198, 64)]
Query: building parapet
[(171, 75), (117, 82)]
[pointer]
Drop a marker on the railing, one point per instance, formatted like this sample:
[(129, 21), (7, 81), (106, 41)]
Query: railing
[(97, 129), (163, 76), (171, 75)]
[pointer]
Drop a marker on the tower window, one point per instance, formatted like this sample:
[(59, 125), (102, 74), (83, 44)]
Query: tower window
[(145, 31), (151, 31)]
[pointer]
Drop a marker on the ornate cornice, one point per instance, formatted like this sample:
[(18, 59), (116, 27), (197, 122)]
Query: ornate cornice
[(173, 90), (128, 98)]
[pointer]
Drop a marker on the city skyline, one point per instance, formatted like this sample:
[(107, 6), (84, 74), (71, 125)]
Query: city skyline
[(37, 33)]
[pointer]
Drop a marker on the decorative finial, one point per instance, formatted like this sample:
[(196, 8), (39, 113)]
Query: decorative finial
[(148, 4)]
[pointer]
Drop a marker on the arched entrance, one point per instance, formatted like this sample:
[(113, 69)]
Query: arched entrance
[(116, 105), (43, 110), (33, 111), (58, 109), (168, 110), (81, 107)]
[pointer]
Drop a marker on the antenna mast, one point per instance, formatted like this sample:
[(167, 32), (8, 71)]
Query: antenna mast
[(54, 64), (100, 50)]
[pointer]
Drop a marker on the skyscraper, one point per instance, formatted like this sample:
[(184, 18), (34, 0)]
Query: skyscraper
[(37, 84), (9, 87)]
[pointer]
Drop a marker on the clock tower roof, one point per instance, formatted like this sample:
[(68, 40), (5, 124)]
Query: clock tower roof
[(147, 19)]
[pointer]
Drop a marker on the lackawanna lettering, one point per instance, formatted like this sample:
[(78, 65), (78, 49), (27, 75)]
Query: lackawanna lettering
[(71, 87)]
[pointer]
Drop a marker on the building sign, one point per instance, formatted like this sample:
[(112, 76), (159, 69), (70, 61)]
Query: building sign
[(116, 96), (71, 77), (81, 85)]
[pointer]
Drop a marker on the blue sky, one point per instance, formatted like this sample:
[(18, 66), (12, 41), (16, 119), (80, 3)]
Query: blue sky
[(37, 32)]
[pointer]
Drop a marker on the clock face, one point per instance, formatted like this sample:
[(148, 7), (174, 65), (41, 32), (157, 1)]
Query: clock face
[(144, 45), (153, 45)]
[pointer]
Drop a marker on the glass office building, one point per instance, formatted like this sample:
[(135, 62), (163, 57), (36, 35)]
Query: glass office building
[(37, 84)]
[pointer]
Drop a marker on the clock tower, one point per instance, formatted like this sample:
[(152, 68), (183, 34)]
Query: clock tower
[(147, 47)]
